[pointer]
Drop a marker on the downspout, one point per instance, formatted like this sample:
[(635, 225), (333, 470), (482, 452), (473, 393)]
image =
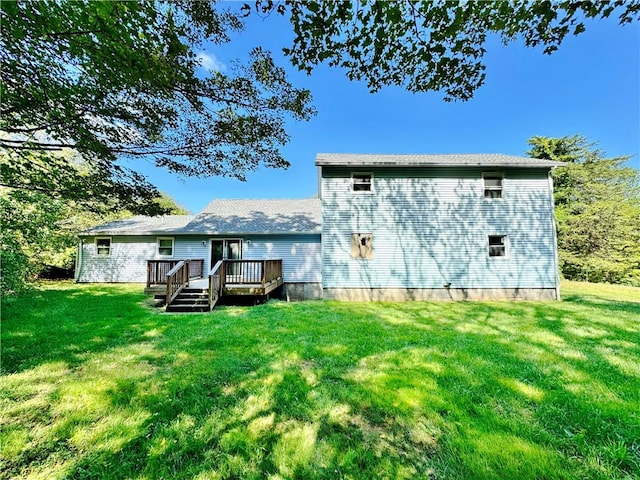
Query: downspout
[(555, 234), (79, 260), (320, 186)]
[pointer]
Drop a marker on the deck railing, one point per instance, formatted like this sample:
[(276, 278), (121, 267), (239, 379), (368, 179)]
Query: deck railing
[(271, 270), (177, 279), (157, 270), (252, 272)]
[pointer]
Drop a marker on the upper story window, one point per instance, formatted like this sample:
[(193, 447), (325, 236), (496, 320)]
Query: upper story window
[(362, 182), (492, 183), (165, 246), (498, 246), (103, 246)]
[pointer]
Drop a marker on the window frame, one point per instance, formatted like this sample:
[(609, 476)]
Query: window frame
[(505, 244), (354, 183), (98, 248), (486, 188), (158, 247), (357, 245)]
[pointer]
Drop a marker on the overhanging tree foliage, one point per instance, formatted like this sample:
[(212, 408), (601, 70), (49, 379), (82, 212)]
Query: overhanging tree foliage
[(597, 209), (429, 45), (122, 79), (117, 80)]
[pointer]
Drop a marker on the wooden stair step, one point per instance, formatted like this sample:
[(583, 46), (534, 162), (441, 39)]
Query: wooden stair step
[(190, 300), (186, 301), (193, 296)]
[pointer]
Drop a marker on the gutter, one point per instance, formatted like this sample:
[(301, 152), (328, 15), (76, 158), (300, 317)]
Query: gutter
[(365, 164), (193, 234)]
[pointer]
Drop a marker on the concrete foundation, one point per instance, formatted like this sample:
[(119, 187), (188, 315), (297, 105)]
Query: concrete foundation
[(294, 292), (438, 294)]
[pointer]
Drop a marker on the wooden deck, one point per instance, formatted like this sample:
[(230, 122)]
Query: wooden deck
[(232, 286), (228, 278), (252, 289)]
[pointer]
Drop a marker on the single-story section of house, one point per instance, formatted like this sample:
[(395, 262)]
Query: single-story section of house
[(120, 251)]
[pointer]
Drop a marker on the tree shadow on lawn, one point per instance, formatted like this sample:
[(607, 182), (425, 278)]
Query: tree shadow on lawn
[(604, 303), (67, 324), (337, 390)]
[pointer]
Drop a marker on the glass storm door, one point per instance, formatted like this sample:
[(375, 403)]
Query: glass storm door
[(224, 249), (233, 249)]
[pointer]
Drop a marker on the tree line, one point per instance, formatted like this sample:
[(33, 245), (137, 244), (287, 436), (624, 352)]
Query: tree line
[(597, 208)]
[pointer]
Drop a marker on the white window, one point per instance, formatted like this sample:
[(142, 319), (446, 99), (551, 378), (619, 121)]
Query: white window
[(498, 246), (492, 183), (362, 245), (362, 182), (103, 246), (165, 246)]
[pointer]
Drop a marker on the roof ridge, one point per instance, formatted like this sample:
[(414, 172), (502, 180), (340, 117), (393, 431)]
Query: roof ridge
[(433, 160), (421, 154), (268, 199)]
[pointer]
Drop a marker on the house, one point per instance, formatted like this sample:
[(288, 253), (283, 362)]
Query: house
[(385, 227)]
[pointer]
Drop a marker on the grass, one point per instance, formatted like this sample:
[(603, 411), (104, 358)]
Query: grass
[(96, 384)]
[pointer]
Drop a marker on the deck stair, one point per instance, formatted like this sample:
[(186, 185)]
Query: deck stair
[(186, 288), (190, 300)]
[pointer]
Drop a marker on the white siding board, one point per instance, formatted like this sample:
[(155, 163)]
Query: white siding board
[(431, 228)]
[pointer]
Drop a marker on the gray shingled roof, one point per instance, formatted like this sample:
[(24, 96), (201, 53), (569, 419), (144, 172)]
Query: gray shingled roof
[(257, 216), (141, 225), (439, 160)]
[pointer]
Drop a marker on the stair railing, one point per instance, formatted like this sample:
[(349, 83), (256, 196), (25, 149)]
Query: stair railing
[(217, 280), (177, 279), (157, 270)]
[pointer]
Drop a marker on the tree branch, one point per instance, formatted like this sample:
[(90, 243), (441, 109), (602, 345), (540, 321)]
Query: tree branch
[(19, 145)]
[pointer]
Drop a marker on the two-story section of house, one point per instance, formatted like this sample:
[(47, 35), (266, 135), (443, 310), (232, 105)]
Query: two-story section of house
[(468, 226)]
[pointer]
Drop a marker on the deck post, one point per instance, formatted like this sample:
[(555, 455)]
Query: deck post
[(264, 265)]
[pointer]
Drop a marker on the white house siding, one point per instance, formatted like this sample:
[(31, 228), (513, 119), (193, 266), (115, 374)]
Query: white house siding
[(195, 247), (129, 254), (300, 254), (126, 262), (430, 229)]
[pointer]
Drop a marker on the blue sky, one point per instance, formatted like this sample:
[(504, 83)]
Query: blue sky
[(590, 86)]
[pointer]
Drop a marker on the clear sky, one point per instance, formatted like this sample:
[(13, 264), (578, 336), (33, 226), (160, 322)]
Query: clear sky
[(590, 86)]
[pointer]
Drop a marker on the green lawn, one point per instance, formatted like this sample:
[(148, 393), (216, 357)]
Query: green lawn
[(96, 384)]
